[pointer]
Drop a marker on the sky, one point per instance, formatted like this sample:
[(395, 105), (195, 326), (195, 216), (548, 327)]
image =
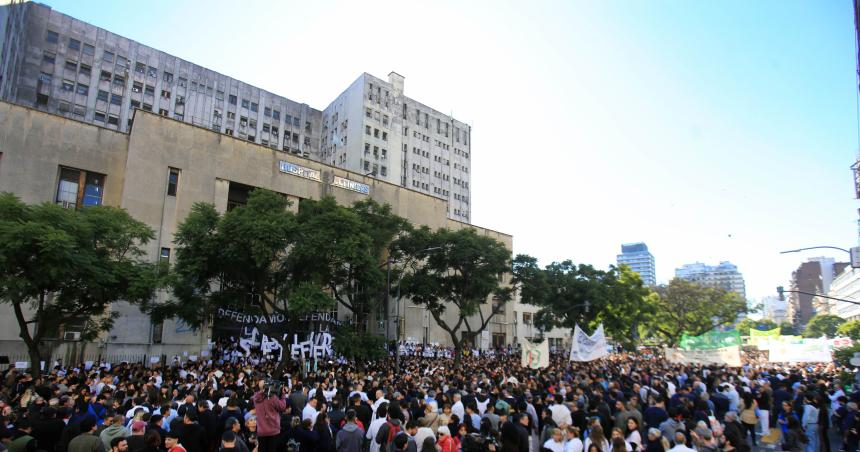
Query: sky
[(709, 130)]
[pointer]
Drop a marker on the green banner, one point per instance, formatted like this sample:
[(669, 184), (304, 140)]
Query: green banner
[(711, 340)]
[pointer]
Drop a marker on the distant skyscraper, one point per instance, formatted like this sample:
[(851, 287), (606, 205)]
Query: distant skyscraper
[(640, 260), (724, 276)]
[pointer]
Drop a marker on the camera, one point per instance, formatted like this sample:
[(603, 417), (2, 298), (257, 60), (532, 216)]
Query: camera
[(273, 387)]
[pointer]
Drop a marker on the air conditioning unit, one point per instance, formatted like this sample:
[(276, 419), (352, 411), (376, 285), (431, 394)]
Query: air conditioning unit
[(72, 336)]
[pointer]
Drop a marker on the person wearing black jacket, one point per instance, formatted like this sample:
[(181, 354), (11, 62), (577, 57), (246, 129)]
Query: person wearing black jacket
[(155, 425), (362, 411), (207, 419), (47, 429), (191, 435), (515, 435)]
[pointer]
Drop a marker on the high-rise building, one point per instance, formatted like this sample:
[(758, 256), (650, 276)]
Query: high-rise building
[(640, 260), (814, 276), (62, 65), (775, 310), (724, 276)]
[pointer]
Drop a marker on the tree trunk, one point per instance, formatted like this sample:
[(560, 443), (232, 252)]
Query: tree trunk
[(35, 360), (32, 341)]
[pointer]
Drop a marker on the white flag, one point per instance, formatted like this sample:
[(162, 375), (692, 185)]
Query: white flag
[(535, 356), (588, 348)]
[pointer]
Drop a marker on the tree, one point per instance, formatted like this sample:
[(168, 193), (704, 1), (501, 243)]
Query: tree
[(850, 329), (823, 325), (570, 294), (460, 271), (686, 307), (239, 259), (744, 326), (59, 266), (787, 329), (342, 248)]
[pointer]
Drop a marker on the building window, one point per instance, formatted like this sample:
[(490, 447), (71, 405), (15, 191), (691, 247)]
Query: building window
[(107, 56), (136, 87), (52, 37), (72, 65), (70, 191), (153, 72), (165, 94), (276, 115), (113, 120), (74, 44), (383, 171), (183, 82), (134, 104), (102, 96), (80, 110), (158, 329), (167, 77), (99, 116), (65, 107), (68, 85), (162, 112), (232, 100), (254, 107), (119, 81), (116, 99), (140, 68), (89, 50), (147, 107), (85, 69), (267, 112), (149, 90), (173, 181), (246, 103)]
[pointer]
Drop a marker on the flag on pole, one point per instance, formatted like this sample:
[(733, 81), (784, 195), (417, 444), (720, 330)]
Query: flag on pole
[(535, 356), (588, 348)]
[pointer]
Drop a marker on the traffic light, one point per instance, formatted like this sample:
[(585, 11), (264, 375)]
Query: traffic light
[(781, 292)]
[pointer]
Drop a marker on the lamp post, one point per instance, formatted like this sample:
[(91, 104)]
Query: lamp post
[(853, 253)]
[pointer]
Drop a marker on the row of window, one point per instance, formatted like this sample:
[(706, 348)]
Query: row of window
[(376, 133), (461, 183), (462, 198), (440, 191), (167, 77), (461, 167), (461, 153), (381, 170), (376, 151), (375, 115)]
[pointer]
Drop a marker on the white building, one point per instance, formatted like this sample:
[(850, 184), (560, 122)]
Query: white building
[(640, 260), (724, 276), (373, 128), (846, 285), (776, 310)]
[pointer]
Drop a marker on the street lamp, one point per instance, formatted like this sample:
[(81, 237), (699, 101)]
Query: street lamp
[(853, 253)]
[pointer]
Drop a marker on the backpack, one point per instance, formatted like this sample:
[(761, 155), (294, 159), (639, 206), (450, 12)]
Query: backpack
[(473, 443), (393, 430)]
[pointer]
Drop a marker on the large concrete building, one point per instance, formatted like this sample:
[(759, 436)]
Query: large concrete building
[(640, 260), (157, 170), (846, 286), (56, 63), (724, 276), (813, 277)]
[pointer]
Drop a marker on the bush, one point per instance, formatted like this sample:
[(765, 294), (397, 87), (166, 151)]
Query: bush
[(843, 355), (353, 345)]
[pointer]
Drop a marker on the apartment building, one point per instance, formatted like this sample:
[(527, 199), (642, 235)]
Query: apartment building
[(62, 65)]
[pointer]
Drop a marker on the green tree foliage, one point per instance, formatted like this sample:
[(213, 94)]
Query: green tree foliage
[(342, 248), (239, 260), (843, 355), (850, 329), (744, 326), (823, 325), (263, 258), (59, 265), (787, 329), (458, 270), (569, 294), (686, 307)]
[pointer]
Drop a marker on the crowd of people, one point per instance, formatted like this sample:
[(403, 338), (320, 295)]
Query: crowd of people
[(622, 403)]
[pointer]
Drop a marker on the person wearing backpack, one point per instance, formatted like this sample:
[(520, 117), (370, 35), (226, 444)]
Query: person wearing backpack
[(387, 431)]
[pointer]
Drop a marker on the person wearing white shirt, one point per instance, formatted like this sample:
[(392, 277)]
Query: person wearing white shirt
[(561, 414), (681, 443), (422, 434), (310, 411), (834, 398), (554, 443), (458, 408), (633, 435), (380, 399), (573, 443), (373, 429)]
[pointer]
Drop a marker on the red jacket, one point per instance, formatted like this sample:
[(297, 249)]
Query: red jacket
[(447, 444), (269, 411)]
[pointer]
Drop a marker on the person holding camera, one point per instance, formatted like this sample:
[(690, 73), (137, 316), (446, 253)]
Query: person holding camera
[(269, 408)]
